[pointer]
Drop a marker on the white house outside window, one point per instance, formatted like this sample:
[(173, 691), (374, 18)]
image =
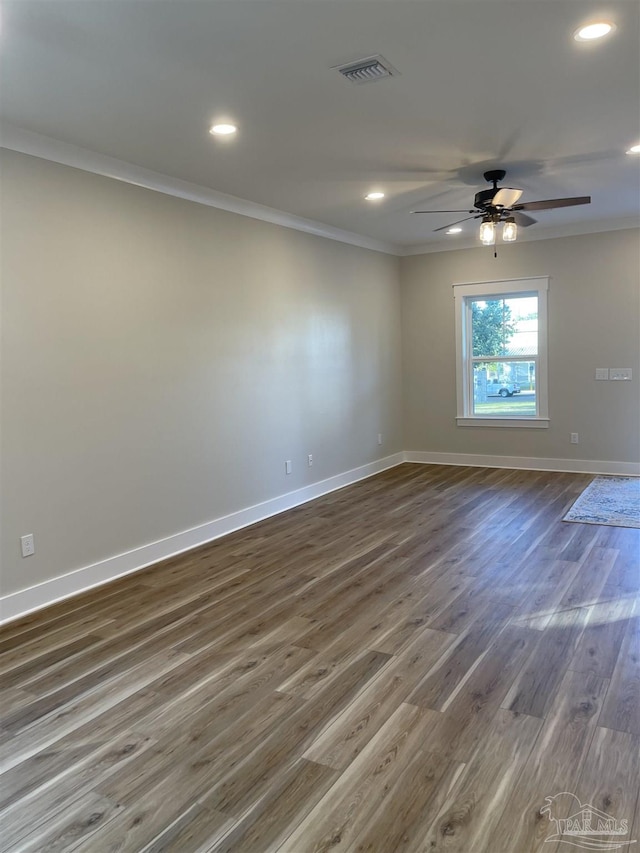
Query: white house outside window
[(501, 364)]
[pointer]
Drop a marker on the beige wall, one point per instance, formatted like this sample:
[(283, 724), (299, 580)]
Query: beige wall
[(162, 359), (594, 316)]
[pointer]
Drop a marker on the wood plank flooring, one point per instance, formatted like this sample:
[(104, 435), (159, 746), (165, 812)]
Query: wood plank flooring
[(413, 663)]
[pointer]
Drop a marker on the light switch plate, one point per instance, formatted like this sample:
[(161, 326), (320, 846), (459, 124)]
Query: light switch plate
[(620, 373), (602, 372)]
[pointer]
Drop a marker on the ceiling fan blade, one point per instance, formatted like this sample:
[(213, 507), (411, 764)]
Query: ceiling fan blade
[(506, 197), (523, 220), (451, 224), (442, 211), (553, 202)]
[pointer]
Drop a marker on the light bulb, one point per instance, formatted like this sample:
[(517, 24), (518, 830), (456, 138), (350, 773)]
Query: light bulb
[(509, 231), (487, 233)]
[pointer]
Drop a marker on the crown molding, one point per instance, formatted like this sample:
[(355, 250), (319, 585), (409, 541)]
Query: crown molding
[(596, 226), (46, 148)]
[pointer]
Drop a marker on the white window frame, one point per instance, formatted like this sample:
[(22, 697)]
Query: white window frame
[(464, 294)]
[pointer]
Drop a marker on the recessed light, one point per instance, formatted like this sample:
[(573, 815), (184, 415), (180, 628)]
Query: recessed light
[(223, 129), (374, 196), (455, 230), (635, 149), (595, 30)]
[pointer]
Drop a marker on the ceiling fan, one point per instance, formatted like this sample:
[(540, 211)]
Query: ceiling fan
[(500, 204)]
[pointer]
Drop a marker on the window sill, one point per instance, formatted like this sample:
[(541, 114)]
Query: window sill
[(521, 423)]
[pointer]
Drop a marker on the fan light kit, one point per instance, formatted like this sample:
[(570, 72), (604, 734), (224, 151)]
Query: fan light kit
[(487, 232), (509, 231), (502, 205)]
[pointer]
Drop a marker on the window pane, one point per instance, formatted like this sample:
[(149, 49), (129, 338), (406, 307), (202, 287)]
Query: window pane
[(504, 389), (505, 326)]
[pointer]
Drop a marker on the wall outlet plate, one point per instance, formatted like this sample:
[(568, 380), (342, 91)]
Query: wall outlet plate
[(27, 545), (602, 372)]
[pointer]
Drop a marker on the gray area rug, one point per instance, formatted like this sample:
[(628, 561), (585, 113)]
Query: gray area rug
[(608, 500)]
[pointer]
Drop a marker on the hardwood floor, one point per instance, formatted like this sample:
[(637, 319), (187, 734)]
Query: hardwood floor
[(412, 663)]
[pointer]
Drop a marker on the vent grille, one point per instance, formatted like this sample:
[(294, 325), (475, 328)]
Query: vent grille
[(367, 70)]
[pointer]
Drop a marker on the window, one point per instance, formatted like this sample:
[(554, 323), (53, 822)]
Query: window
[(501, 340)]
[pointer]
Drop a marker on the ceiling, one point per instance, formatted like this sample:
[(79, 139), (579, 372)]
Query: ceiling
[(482, 83)]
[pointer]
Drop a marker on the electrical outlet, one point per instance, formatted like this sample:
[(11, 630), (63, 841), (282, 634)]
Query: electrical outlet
[(310, 460), (574, 438), (379, 438), (27, 545), (287, 467)]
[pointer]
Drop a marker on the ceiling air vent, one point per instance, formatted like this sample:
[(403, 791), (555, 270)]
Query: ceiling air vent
[(367, 70)]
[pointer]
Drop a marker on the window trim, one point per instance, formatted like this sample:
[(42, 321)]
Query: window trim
[(463, 295)]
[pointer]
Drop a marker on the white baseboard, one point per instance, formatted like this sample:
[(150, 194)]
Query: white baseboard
[(525, 463), (20, 603)]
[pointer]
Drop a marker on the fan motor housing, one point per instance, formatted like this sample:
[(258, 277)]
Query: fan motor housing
[(483, 198)]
